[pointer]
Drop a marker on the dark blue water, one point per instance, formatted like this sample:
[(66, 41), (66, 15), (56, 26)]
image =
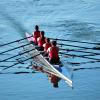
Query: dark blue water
[(68, 19)]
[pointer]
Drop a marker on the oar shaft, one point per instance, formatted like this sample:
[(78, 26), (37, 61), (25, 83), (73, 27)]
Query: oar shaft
[(77, 68), (78, 63), (75, 41), (18, 62), (14, 48), (14, 41), (75, 46), (79, 56), (16, 55), (80, 51)]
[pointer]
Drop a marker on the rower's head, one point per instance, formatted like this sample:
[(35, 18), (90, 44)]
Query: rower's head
[(42, 34), (54, 43), (36, 27), (47, 40)]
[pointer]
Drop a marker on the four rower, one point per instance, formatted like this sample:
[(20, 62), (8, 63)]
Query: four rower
[(51, 50), (45, 45)]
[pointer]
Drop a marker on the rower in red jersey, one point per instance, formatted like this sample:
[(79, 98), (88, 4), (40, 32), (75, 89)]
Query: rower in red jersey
[(36, 34), (46, 46), (53, 53), (41, 41)]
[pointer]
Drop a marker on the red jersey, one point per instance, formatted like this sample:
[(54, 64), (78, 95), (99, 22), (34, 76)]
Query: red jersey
[(36, 35), (41, 42), (53, 52), (46, 46)]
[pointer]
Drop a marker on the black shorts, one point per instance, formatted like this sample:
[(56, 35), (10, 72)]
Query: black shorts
[(54, 60)]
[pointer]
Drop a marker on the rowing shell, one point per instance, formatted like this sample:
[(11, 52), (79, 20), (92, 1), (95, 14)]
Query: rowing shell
[(41, 61)]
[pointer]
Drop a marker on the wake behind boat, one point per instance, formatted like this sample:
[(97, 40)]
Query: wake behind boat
[(40, 60)]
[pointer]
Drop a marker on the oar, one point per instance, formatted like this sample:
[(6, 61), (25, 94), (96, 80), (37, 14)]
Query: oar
[(75, 41), (82, 55), (79, 63), (73, 55), (80, 51), (7, 54), (17, 55), (8, 61), (14, 41), (62, 44), (14, 48), (89, 55), (18, 62), (20, 72), (82, 68)]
